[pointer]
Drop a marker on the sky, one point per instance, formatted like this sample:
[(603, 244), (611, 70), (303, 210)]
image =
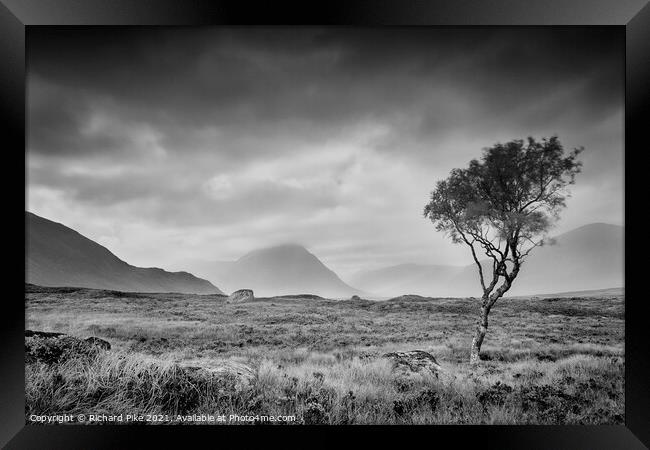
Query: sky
[(169, 145)]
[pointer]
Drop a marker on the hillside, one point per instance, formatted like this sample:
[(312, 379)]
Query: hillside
[(56, 255)]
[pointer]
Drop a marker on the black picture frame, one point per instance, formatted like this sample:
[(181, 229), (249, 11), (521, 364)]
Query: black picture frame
[(633, 16)]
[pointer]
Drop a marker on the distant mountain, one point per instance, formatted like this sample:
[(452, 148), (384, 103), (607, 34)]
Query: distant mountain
[(282, 270), (589, 257), (56, 255)]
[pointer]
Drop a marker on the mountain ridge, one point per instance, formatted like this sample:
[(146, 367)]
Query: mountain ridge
[(585, 258), (57, 255)]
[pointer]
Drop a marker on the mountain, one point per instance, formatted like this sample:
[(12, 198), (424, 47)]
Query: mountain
[(56, 255), (589, 257), (281, 270)]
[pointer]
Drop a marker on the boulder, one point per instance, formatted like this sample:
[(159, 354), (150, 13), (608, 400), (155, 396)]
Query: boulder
[(414, 361), (42, 334), (53, 348), (101, 343), (240, 296), (355, 298), (240, 374)]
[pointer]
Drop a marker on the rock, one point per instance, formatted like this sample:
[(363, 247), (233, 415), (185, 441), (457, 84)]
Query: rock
[(242, 374), (355, 298), (414, 361), (53, 348), (101, 343), (43, 334), (240, 296)]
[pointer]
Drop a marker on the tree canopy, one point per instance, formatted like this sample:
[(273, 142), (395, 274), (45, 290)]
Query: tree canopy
[(504, 203)]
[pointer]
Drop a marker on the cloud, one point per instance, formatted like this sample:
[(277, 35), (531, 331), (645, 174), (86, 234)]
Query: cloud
[(179, 143)]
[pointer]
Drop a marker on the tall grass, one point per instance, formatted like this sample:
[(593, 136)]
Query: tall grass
[(544, 361), (323, 390)]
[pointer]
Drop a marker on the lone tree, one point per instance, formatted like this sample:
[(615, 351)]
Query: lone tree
[(503, 206)]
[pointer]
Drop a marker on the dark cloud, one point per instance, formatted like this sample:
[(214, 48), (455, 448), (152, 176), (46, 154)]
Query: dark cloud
[(238, 77), (217, 127)]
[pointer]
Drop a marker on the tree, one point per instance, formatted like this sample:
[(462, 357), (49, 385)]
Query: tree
[(503, 205)]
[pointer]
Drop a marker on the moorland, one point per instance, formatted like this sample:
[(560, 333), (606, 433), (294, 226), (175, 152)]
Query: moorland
[(546, 360)]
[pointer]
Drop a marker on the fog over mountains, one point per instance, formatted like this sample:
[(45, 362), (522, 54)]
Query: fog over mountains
[(283, 269), (59, 256), (172, 145), (589, 257)]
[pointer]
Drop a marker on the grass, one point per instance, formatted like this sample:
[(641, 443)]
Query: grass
[(546, 361)]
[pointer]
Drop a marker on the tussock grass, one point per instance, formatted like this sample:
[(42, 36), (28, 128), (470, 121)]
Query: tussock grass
[(118, 383), (321, 360), (581, 389)]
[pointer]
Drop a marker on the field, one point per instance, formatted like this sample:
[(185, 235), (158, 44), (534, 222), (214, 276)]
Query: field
[(545, 360)]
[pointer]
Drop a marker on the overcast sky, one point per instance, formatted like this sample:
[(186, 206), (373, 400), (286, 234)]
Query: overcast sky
[(168, 145)]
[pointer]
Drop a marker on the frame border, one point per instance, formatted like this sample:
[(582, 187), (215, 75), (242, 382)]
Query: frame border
[(633, 15)]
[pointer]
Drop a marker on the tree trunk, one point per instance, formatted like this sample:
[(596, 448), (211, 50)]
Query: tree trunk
[(481, 329)]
